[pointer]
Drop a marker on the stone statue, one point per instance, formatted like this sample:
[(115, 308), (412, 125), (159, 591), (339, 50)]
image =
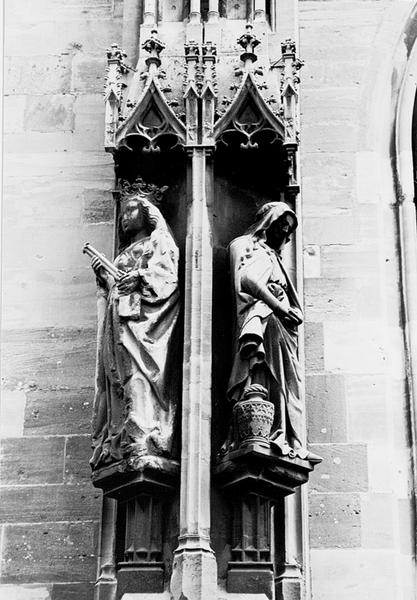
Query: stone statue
[(268, 314), (136, 396)]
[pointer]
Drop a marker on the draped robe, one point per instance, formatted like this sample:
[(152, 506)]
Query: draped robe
[(266, 345), (136, 392)]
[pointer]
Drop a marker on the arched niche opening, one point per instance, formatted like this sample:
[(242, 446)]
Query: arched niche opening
[(244, 178)]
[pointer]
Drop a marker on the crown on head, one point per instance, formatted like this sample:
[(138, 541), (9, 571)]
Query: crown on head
[(150, 191)]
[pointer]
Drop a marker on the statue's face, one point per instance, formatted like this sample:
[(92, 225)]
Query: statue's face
[(280, 230), (132, 218)]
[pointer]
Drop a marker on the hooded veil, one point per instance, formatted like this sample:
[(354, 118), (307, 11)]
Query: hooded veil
[(266, 345)]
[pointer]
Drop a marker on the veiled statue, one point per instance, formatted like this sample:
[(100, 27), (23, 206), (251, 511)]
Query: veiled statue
[(136, 395), (267, 316)]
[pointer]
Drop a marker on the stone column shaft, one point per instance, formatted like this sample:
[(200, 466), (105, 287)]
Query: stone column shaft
[(194, 570)]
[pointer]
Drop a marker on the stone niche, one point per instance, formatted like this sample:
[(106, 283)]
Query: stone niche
[(198, 508)]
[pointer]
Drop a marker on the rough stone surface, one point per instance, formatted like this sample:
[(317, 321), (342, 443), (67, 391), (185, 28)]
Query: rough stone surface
[(335, 520), (51, 552), (326, 408), (344, 468)]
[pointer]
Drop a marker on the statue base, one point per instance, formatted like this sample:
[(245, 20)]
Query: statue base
[(255, 469), (251, 578), (143, 488), (152, 474)]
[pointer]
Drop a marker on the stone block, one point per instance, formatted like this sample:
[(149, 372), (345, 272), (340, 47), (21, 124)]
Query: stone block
[(354, 573), (321, 72), (14, 109), (88, 73), (321, 230), (406, 523), (332, 136), (330, 104), (350, 261), (327, 196), (98, 207), (49, 552), (341, 343), (12, 410), (49, 358), (311, 261), (335, 520), (25, 592), (344, 468), (250, 581), (72, 591), (32, 460), (377, 520), (59, 411), (49, 113), (146, 579), (89, 123), (49, 74), (366, 400), (329, 299), (77, 455), (314, 350), (326, 408), (32, 142), (40, 503)]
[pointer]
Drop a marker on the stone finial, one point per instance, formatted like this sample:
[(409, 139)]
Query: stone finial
[(288, 47), (115, 54), (192, 51), (249, 42), (154, 46)]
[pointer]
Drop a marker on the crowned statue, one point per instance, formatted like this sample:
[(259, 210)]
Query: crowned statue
[(136, 395)]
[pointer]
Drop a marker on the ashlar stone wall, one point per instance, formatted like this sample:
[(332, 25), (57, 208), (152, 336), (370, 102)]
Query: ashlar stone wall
[(360, 497), (57, 195)]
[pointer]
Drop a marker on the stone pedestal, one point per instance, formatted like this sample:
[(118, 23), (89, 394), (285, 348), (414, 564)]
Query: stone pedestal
[(254, 477), (139, 529)]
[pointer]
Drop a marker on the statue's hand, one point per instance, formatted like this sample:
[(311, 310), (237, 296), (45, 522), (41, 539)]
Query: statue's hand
[(295, 316), (100, 273), (129, 283)]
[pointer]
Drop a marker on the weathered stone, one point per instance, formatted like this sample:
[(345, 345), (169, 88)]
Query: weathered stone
[(14, 109), (362, 573), (335, 520), (43, 75), (339, 229), (32, 460), (341, 343), (77, 454), (58, 411), (314, 346), (339, 260), (41, 503), (377, 520), (12, 409), (87, 73), (406, 514), (367, 403), (49, 113), (48, 358), (49, 552), (326, 408), (72, 591), (344, 468), (98, 206), (329, 299), (89, 122)]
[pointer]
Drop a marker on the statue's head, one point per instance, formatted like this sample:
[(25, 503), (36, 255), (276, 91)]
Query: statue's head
[(276, 221), (137, 213), (138, 210)]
